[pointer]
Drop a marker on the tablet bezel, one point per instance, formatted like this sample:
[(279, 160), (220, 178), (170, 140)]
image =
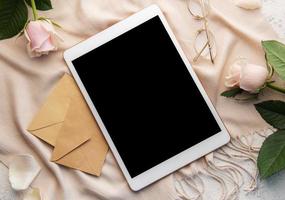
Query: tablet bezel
[(170, 165)]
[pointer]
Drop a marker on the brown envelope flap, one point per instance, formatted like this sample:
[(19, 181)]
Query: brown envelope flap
[(55, 107), (89, 157), (77, 127), (48, 134)]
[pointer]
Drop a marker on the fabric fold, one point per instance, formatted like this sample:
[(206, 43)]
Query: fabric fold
[(25, 84)]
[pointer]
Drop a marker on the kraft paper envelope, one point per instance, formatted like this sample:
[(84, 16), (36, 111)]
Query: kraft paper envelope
[(65, 122)]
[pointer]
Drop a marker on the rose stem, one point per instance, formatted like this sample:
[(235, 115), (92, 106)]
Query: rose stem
[(276, 88), (34, 9)]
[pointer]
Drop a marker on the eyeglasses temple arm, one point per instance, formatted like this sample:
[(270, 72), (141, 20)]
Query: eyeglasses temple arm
[(208, 39), (200, 52)]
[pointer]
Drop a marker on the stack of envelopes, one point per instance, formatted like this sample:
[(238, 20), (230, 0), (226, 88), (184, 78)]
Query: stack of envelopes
[(66, 123)]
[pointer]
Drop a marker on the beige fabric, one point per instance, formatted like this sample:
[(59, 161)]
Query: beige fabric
[(26, 82)]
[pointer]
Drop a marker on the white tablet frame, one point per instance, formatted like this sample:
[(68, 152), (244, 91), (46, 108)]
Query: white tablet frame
[(179, 160)]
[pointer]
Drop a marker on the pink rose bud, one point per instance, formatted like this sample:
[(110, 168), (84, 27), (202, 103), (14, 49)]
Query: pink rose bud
[(42, 38), (248, 77)]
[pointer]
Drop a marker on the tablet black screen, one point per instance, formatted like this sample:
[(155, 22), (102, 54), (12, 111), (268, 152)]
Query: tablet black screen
[(145, 96)]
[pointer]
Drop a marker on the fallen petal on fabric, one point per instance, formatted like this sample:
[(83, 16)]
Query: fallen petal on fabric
[(33, 194), (248, 4), (22, 171)]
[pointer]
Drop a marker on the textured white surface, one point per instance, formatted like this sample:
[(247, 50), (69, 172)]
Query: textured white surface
[(269, 189), (274, 12), (6, 191)]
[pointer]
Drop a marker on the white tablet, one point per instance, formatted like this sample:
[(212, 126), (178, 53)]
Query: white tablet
[(146, 98)]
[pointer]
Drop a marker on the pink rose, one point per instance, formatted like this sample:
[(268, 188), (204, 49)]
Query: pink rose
[(248, 77), (42, 38)]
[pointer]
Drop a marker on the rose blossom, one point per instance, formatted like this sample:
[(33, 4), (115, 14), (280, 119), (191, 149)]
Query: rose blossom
[(42, 38), (249, 77)]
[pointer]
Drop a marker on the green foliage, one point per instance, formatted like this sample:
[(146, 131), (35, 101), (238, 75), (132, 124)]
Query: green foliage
[(275, 56), (41, 4), (271, 158), (232, 92), (13, 17), (273, 112)]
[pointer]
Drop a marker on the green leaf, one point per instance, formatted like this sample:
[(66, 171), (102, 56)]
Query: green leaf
[(273, 112), (275, 55), (232, 92), (271, 158), (41, 4), (13, 17)]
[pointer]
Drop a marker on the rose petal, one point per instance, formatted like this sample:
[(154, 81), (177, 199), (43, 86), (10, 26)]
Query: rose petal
[(37, 34), (253, 77), (27, 35), (233, 77), (232, 81), (46, 46), (22, 171), (42, 38)]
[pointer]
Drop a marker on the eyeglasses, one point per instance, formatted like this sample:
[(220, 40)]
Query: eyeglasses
[(204, 44)]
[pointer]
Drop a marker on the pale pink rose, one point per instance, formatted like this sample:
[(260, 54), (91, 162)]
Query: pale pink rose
[(248, 77), (42, 38)]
